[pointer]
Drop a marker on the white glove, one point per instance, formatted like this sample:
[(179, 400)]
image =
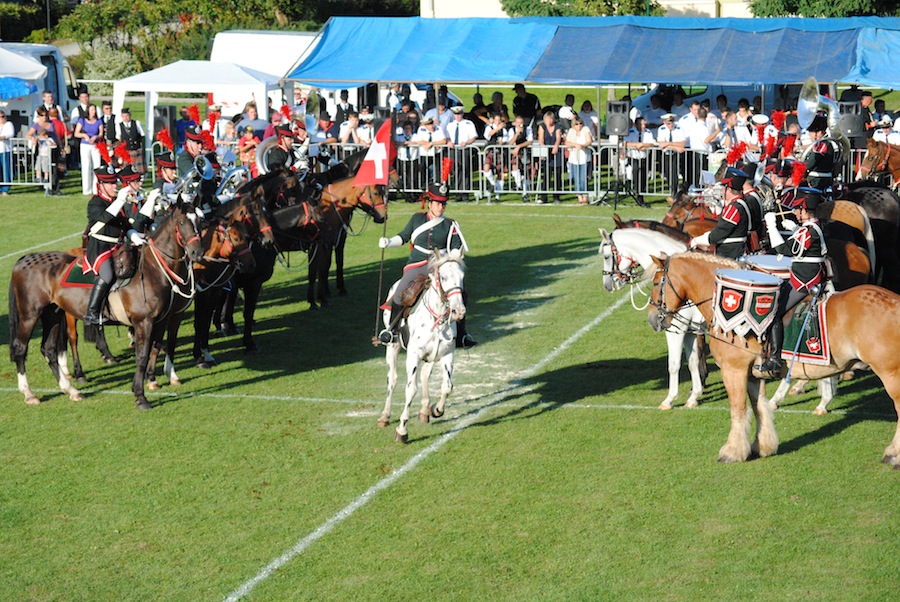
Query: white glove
[(771, 220), (117, 204), (386, 243), (702, 240), (789, 225), (135, 238), (775, 237)]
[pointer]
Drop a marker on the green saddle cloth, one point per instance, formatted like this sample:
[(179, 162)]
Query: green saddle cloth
[(813, 345)]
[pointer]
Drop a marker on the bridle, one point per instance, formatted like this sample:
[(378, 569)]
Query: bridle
[(632, 275), (442, 313), (882, 165), (660, 304)]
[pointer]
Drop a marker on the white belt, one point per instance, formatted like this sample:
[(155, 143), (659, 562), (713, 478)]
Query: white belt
[(732, 239), (819, 174), (422, 249), (105, 238), (809, 259)]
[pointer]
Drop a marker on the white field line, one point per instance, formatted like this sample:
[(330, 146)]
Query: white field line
[(326, 527), (18, 254)]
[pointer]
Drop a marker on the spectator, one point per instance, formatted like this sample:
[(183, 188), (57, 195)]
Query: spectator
[(109, 123), (671, 141), (521, 137), (494, 164), (579, 141), (344, 108), (349, 130), (885, 132), (567, 112), (721, 107), (252, 119), (395, 98), (274, 121), (326, 134), (366, 129), (653, 115), (589, 118), (851, 94), (461, 133), (880, 112), (90, 130), (45, 147), (7, 132), (48, 102), (429, 138), (442, 117), (478, 114), (247, 150), (526, 104), (84, 99), (679, 109), (407, 156), (497, 106), (180, 126), (62, 136), (865, 102), (637, 141), (550, 137), (743, 113), (132, 133), (229, 140)]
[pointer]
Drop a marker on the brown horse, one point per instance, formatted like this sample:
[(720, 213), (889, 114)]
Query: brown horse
[(687, 215), (861, 326), (880, 158), (35, 293)]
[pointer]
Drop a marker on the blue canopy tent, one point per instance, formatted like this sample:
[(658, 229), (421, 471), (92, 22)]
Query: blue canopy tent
[(601, 50)]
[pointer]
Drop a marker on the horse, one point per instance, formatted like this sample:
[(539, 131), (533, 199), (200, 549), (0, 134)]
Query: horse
[(882, 207), (35, 292), (687, 215), (861, 326), (627, 259), (880, 158), (430, 338)]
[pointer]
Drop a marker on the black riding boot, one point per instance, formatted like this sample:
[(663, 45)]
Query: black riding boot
[(389, 334), (463, 339), (94, 315), (773, 365)]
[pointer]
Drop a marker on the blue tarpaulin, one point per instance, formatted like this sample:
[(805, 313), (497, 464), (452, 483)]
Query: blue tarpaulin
[(600, 50)]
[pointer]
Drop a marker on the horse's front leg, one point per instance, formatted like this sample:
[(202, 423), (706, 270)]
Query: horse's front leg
[(412, 372), (674, 342), (424, 376), (766, 442), (54, 338), (172, 325), (737, 446), (143, 339), (696, 362), (446, 384), (392, 355)]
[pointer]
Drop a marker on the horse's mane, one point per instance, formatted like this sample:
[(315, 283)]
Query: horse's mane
[(709, 258), (646, 224), (354, 161), (445, 257), (265, 180)]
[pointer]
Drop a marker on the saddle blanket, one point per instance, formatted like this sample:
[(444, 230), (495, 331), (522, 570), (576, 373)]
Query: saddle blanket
[(74, 275), (814, 347)]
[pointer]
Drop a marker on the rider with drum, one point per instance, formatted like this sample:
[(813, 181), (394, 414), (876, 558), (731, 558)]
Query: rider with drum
[(425, 232), (736, 222), (806, 245), (111, 215)]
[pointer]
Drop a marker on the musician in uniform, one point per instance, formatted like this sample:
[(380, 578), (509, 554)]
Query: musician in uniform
[(806, 245), (820, 160), (112, 214), (425, 232), (193, 148), (165, 183), (735, 223), (283, 153)]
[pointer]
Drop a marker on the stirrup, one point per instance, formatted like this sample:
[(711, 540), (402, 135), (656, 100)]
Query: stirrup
[(771, 367), (386, 336), (466, 342)]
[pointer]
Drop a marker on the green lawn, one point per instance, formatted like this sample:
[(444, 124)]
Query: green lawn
[(564, 484)]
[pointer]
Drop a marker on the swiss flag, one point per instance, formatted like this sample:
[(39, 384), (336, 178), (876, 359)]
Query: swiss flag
[(377, 165)]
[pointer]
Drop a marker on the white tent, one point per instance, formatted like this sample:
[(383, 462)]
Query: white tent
[(225, 79), (13, 64)]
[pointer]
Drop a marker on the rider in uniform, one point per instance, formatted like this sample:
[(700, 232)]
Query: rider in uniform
[(806, 245), (193, 148), (283, 154), (820, 160), (112, 214), (735, 223), (425, 232)]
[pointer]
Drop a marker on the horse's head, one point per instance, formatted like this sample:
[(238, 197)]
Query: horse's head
[(373, 200), (250, 212), (875, 160), (616, 268), (448, 272), (187, 230), (234, 244), (666, 297)]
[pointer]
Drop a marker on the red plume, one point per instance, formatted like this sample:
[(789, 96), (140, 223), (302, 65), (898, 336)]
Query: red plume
[(286, 112), (770, 147), (122, 152), (798, 172), (212, 117), (446, 168), (194, 113), (787, 147), (737, 151), (104, 152), (207, 142), (165, 139), (778, 120), (761, 135)]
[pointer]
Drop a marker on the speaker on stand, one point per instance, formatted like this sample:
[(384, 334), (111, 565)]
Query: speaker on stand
[(618, 123), (851, 123)]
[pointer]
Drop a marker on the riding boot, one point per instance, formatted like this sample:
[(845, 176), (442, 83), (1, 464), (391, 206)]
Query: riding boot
[(389, 334), (94, 315), (773, 365), (463, 339)]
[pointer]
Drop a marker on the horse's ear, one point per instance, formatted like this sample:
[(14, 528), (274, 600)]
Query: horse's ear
[(659, 261), (670, 200), (604, 234), (617, 220)]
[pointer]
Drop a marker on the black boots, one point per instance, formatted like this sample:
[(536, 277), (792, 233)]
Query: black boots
[(772, 366), (390, 334), (94, 315), (463, 339)]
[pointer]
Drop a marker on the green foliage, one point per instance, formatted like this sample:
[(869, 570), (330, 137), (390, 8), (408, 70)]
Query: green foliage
[(108, 63), (579, 8), (824, 8), (608, 8)]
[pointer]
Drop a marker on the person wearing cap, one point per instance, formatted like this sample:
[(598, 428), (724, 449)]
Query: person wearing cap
[(344, 108), (131, 132), (734, 225), (885, 131), (807, 248), (247, 145), (111, 214), (425, 232), (110, 133), (165, 182), (275, 120), (193, 148), (780, 172), (325, 135), (820, 156), (366, 129), (282, 155), (671, 140), (865, 101), (526, 105), (461, 133), (430, 139)]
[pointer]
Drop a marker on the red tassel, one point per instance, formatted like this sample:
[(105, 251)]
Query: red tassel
[(787, 148), (446, 168), (286, 112), (761, 135), (207, 142), (104, 152), (778, 120), (770, 147), (736, 153), (165, 139), (798, 172), (122, 153), (194, 113)]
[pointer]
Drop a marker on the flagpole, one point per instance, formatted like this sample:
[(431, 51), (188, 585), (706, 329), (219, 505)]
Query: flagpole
[(380, 281)]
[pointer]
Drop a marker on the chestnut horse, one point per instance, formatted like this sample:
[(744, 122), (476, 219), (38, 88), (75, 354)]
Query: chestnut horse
[(689, 216), (861, 321), (880, 158), (35, 294)]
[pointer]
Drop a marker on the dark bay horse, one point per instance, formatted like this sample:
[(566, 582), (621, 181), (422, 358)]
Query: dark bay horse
[(144, 302), (862, 326)]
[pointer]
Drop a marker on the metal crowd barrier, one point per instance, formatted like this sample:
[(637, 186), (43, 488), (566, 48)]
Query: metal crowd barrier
[(23, 163)]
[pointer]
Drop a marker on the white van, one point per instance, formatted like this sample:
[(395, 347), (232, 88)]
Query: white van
[(60, 80), (703, 92)]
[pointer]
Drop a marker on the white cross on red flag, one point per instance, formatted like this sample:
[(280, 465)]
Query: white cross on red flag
[(376, 167)]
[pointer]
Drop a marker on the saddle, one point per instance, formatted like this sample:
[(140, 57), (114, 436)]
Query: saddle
[(806, 339)]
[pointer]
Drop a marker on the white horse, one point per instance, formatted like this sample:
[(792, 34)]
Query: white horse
[(627, 260), (432, 338)]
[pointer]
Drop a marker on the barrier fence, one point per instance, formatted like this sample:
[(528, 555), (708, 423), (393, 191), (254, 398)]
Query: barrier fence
[(24, 165)]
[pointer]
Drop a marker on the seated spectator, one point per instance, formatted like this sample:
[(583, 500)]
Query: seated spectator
[(653, 115), (247, 149), (251, 118)]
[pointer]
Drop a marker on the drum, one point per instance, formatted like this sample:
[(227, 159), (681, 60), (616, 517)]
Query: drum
[(745, 301), (776, 265)]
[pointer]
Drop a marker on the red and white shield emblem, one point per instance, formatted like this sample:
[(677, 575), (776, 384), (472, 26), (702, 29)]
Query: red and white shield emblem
[(814, 344), (731, 300), (764, 304)]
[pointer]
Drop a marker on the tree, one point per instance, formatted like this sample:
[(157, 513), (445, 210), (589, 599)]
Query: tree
[(824, 8), (580, 8)]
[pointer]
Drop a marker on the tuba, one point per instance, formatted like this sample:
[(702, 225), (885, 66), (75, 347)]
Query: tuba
[(262, 154), (808, 104)]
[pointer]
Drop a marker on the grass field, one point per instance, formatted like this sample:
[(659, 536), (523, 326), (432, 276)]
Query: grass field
[(552, 476)]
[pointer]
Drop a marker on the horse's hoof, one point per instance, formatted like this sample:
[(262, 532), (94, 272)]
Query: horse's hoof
[(437, 412), (81, 380), (666, 405), (175, 382), (888, 460), (424, 416), (691, 404), (76, 396), (143, 404), (820, 412), (849, 375), (33, 400), (110, 360), (383, 422), (153, 386), (204, 364), (404, 438)]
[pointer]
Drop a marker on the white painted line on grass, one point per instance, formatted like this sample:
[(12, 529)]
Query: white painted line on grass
[(18, 254), (326, 527)]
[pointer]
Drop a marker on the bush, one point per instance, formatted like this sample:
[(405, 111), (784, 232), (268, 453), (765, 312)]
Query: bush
[(109, 64)]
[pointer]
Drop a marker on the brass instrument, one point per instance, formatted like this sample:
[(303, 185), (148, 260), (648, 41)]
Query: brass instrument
[(811, 102)]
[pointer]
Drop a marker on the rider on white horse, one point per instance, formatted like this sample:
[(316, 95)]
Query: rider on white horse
[(425, 232)]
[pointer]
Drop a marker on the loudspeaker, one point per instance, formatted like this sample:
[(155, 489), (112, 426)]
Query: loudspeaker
[(617, 120)]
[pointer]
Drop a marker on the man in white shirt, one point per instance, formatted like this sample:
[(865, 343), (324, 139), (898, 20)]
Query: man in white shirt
[(48, 102), (670, 138), (520, 137), (461, 133), (679, 109), (653, 115), (430, 140)]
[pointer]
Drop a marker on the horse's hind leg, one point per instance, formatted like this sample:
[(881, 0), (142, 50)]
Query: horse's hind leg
[(424, 376), (53, 322), (766, 442), (412, 369), (392, 354), (446, 385), (827, 390)]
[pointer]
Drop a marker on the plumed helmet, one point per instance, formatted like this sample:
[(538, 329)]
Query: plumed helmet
[(106, 175), (801, 197), (128, 175), (439, 192), (734, 178), (783, 168), (165, 160)]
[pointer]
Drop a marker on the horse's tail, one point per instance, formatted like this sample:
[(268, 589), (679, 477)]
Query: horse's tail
[(91, 333)]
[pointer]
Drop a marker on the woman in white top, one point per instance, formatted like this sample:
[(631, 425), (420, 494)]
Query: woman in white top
[(589, 117), (579, 140), (7, 132)]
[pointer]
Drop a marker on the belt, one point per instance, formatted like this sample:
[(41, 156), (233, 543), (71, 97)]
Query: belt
[(105, 238), (820, 174), (732, 239), (809, 259)]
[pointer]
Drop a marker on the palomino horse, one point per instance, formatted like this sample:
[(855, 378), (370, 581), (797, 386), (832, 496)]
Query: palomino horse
[(861, 321), (880, 158), (35, 293), (628, 259), (431, 338)]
